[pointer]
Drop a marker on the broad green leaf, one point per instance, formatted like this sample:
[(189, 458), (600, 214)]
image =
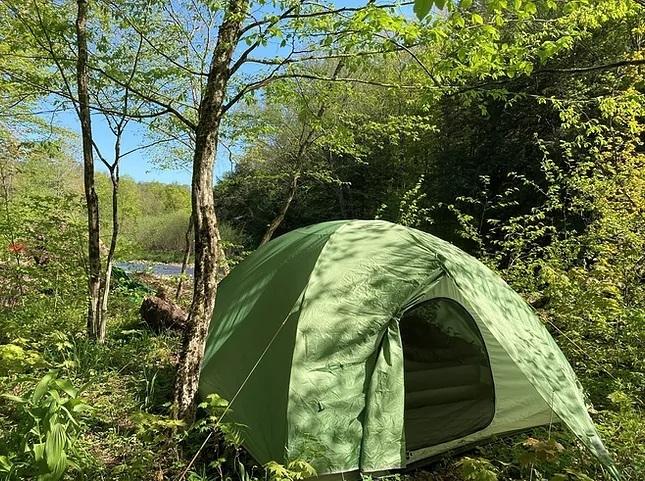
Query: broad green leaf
[(55, 447), (42, 386), (5, 464), (67, 387), (530, 8), (81, 406), (39, 451), (54, 394), (422, 8)]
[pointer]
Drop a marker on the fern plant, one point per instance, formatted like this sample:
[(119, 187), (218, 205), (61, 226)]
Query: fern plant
[(293, 471), (476, 469)]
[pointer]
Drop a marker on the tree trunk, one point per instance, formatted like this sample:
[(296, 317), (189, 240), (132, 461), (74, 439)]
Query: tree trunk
[(94, 256), (341, 202), (5, 182), (184, 261), (305, 143), (207, 240), (105, 289), (275, 223), (223, 267)]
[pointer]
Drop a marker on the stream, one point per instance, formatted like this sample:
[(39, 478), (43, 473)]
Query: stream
[(161, 269)]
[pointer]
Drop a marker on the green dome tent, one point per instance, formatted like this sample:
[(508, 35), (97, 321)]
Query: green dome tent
[(368, 346)]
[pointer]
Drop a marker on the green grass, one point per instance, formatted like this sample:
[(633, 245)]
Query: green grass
[(128, 377)]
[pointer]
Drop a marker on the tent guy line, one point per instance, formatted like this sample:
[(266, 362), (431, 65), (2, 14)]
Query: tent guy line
[(230, 403)]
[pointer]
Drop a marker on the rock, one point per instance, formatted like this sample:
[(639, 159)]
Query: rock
[(162, 314)]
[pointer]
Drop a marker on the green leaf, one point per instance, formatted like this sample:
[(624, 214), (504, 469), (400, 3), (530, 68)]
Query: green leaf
[(422, 8), (559, 477), (477, 19), (54, 395), (79, 407), (530, 8), (5, 464), (55, 449), (13, 398), (42, 386), (67, 387), (547, 49), (69, 416), (459, 20), (39, 451)]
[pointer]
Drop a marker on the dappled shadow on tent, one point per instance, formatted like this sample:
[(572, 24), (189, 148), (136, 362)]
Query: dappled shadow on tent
[(349, 348), (306, 342), (516, 326)]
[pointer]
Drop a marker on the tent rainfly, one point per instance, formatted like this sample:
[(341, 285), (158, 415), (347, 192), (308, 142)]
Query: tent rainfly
[(365, 346)]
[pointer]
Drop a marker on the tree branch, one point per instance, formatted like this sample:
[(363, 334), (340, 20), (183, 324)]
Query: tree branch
[(262, 83), (592, 68), (313, 58), (321, 13), (164, 105), (146, 146), (240, 61), (157, 50)]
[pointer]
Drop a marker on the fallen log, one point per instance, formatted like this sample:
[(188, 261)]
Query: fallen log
[(161, 314)]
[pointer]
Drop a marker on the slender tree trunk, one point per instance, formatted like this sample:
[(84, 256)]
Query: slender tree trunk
[(207, 240), (105, 289), (341, 202), (94, 256), (275, 223), (222, 263), (184, 261), (306, 139), (341, 186)]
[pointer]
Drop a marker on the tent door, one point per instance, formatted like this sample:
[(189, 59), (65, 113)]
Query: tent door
[(449, 390)]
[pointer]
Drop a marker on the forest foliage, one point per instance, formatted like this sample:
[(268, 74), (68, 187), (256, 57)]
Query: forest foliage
[(154, 216), (513, 129)]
